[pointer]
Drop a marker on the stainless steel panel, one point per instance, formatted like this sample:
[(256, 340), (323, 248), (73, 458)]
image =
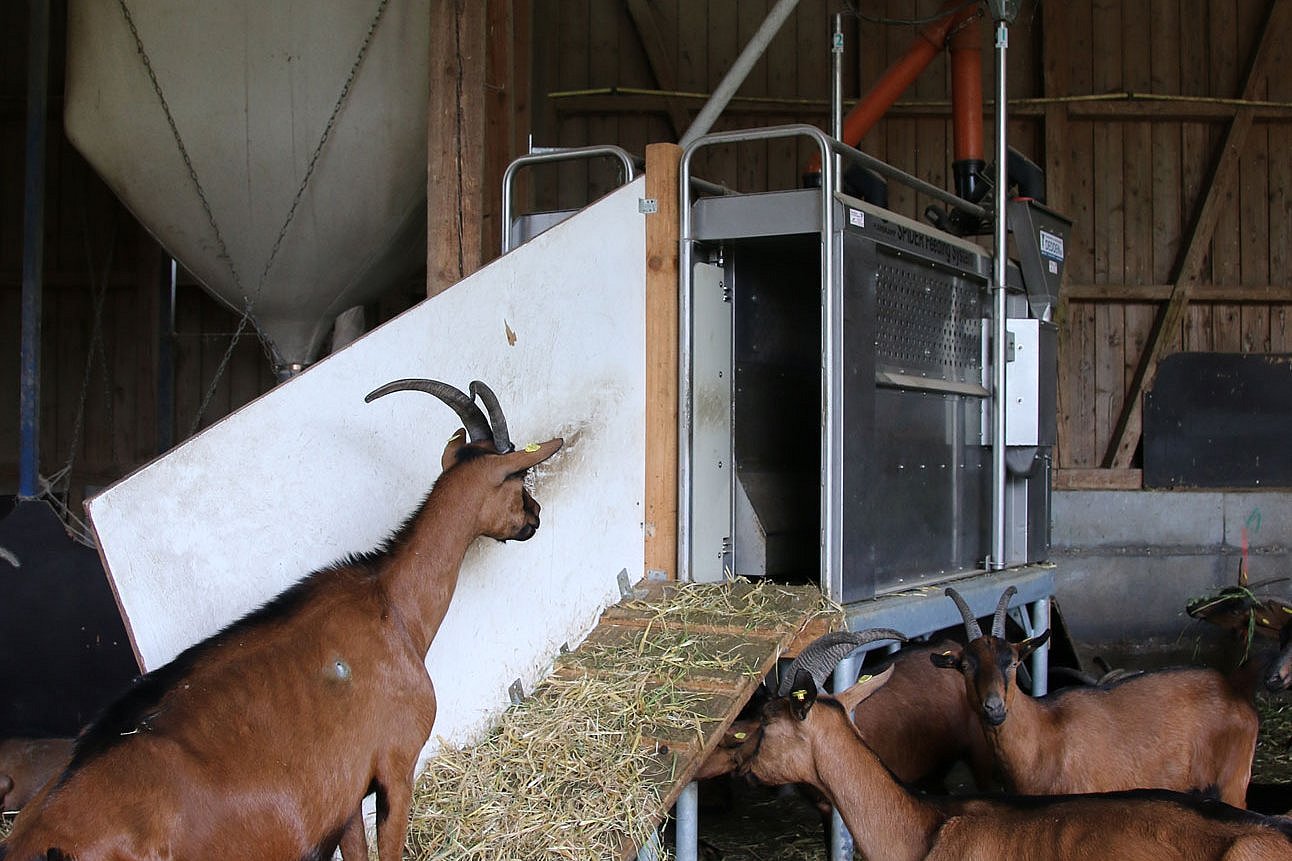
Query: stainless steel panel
[(777, 213), (711, 477)]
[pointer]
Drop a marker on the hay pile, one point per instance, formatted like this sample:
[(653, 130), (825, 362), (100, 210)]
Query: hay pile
[(579, 770), (6, 825), (1273, 762)]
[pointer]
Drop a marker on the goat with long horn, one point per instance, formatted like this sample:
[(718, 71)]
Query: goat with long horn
[(262, 740)]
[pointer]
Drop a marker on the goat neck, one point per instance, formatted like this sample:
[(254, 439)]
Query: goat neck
[(803, 739)]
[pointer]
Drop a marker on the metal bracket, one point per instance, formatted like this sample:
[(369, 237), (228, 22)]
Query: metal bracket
[(647, 205), (517, 692), (625, 588)]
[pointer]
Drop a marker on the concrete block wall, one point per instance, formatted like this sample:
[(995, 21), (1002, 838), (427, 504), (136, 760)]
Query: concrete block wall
[(1127, 562)]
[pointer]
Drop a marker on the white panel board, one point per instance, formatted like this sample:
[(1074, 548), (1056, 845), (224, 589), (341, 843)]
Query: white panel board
[(309, 473)]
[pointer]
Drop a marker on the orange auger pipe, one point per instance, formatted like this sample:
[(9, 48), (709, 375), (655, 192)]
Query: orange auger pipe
[(902, 73), (966, 111)]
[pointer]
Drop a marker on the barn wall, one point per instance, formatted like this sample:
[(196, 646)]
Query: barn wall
[(1132, 173)]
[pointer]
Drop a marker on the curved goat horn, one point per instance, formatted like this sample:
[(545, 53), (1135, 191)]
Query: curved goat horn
[(998, 621), (972, 631), (472, 419), (497, 420), (823, 654)]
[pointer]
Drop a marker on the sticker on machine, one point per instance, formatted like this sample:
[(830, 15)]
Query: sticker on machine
[(1051, 245), (856, 218)]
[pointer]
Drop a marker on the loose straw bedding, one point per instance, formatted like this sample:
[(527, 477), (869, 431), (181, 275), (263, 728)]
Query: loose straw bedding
[(578, 770)]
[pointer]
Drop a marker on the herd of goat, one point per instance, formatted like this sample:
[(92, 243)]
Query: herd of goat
[(262, 741)]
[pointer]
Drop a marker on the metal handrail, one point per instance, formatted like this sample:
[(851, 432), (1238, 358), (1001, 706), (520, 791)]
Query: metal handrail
[(627, 175)]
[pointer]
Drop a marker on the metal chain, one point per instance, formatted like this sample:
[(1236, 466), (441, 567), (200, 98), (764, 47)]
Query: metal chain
[(179, 142), (99, 293), (291, 212)]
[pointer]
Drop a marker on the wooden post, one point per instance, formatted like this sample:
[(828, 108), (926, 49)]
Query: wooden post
[(662, 163), (455, 142)]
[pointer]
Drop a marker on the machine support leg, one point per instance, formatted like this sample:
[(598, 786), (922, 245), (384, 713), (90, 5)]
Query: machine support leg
[(1041, 657), (686, 812), (845, 674)]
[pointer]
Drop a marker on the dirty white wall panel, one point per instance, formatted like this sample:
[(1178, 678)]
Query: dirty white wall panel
[(309, 472)]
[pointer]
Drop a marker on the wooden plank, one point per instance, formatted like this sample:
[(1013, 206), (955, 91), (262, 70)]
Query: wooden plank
[(1241, 293), (1079, 407), (1165, 139), (751, 158), (455, 143), (662, 167), (546, 29), (1055, 82), (1068, 478), (1127, 433), (603, 69), (651, 32), (573, 47)]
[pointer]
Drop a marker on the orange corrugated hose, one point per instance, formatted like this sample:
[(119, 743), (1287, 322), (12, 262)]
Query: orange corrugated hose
[(897, 77)]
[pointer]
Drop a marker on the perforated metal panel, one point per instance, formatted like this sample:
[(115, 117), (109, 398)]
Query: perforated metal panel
[(927, 321)]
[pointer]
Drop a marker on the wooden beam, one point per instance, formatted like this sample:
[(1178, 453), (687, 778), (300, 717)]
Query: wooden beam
[(657, 56), (1136, 107), (1201, 293), (1098, 479), (662, 167), (507, 118), (1129, 427), (455, 143)]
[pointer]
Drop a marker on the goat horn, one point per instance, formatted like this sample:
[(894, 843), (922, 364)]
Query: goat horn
[(823, 654), (998, 621), (972, 631), (497, 420), (472, 419)]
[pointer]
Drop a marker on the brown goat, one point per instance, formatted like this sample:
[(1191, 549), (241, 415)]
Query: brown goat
[(27, 764), (920, 724), (262, 741), (1181, 729), (804, 738)]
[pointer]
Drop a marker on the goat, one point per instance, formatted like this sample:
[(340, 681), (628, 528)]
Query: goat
[(808, 738), (27, 764), (1182, 729), (919, 725), (262, 741)]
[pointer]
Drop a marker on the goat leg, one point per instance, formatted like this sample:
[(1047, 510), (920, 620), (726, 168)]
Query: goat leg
[(396, 798), (354, 838)]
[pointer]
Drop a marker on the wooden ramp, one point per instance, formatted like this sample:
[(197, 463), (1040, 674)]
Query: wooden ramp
[(589, 766)]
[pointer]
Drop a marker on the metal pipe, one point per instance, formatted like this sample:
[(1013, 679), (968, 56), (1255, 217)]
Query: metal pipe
[(999, 347), (836, 91), (33, 256), (897, 77), (550, 154), (841, 845), (1041, 657), (686, 811), (738, 72)]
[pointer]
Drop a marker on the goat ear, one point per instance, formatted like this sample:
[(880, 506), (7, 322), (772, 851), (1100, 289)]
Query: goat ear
[(531, 455), (948, 660), (1030, 645), (803, 694), (452, 447), (865, 686)]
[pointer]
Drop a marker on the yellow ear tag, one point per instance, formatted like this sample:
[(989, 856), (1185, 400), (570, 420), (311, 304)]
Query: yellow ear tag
[(739, 736), (799, 695), (865, 677), (946, 654), (532, 447)]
